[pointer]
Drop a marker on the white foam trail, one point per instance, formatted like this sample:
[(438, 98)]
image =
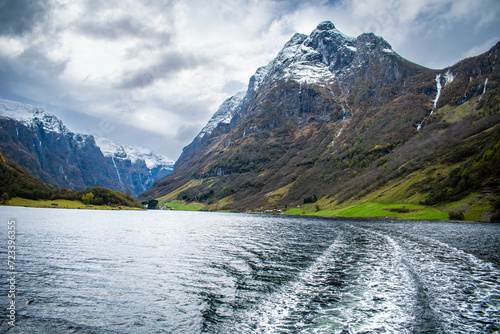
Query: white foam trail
[(374, 292)]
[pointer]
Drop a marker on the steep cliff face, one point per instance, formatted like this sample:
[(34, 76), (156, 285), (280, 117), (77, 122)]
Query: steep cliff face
[(330, 116), (40, 143)]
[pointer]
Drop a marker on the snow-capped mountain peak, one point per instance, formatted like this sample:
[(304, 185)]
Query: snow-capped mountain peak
[(321, 57), (109, 148), (113, 150), (31, 116), (17, 111), (327, 29), (152, 160)]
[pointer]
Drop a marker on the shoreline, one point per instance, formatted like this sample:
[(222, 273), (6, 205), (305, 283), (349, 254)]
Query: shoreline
[(77, 205), (385, 219), (62, 204)]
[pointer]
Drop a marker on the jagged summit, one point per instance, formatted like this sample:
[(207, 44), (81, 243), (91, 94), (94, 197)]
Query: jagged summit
[(324, 57), (373, 42), (325, 25)]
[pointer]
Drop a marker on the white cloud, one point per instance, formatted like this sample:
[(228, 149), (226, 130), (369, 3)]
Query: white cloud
[(11, 47)]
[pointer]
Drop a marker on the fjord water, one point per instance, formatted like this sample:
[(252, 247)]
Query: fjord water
[(82, 271)]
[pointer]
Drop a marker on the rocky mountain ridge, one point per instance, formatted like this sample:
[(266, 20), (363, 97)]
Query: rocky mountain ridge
[(41, 143), (326, 58), (338, 118)]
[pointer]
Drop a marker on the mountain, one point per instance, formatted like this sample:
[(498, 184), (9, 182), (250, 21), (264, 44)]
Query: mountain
[(134, 165), (17, 182), (347, 120), (39, 142)]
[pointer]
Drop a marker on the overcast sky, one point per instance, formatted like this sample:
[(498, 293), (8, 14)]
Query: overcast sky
[(152, 72)]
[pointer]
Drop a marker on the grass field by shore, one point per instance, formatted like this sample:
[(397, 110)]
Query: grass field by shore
[(182, 205), (365, 210), (374, 210), (62, 204)]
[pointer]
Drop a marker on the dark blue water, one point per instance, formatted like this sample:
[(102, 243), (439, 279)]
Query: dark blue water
[(84, 271)]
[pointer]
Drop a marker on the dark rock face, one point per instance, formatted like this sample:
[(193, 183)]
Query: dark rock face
[(65, 159), (41, 144), (322, 118)]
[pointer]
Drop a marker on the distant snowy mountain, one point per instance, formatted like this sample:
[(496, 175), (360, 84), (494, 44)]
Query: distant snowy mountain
[(133, 153), (124, 156), (41, 143)]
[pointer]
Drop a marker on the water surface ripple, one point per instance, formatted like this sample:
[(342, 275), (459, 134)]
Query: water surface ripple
[(84, 271)]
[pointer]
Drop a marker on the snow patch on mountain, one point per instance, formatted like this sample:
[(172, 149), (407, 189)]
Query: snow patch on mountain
[(152, 160), (320, 57), (224, 114), (31, 116), (17, 111), (309, 73), (290, 49), (110, 149)]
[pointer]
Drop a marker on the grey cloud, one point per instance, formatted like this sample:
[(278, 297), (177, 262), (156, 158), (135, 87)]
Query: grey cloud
[(99, 5), (185, 133), (171, 62), (232, 87), (33, 60), (112, 30), (123, 28), (30, 75), (192, 110), (18, 17)]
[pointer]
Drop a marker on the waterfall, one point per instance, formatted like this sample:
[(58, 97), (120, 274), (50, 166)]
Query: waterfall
[(117, 172), (448, 76), (484, 89), (438, 87)]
